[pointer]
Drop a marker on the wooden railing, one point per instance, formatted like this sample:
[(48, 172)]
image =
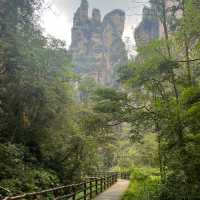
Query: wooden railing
[(124, 175), (82, 191), (120, 175)]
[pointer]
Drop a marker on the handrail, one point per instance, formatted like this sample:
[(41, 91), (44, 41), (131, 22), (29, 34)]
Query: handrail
[(121, 175), (81, 191)]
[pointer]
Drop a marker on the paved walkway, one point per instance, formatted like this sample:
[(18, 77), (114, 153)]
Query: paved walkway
[(115, 192)]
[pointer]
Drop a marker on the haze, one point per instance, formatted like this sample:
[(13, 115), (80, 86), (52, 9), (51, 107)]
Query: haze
[(57, 16)]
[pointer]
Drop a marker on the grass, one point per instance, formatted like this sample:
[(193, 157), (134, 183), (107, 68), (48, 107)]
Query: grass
[(144, 185)]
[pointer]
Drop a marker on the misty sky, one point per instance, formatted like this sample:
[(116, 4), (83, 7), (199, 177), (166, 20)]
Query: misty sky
[(57, 15)]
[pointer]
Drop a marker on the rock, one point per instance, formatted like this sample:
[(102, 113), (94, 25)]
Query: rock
[(97, 46), (148, 29), (151, 27), (96, 15), (81, 16)]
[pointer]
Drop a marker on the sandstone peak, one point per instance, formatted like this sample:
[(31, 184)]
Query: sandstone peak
[(116, 19), (148, 29), (96, 15), (81, 15), (97, 47), (116, 12), (84, 4)]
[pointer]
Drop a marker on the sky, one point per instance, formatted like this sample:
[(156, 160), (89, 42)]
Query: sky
[(57, 15)]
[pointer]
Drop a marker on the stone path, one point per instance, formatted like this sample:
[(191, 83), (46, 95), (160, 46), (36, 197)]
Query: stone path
[(115, 192)]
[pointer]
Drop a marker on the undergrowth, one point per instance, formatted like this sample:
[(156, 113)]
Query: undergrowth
[(144, 184)]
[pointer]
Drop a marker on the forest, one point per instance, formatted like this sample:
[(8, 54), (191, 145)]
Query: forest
[(57, 127)]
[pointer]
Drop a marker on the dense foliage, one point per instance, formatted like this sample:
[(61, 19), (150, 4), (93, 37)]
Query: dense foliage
[(144, 184), (48, 136), (161, 95)]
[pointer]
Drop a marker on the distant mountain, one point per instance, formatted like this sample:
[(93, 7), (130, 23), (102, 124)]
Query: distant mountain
[(97, 46), (151, 27), (148, 29)]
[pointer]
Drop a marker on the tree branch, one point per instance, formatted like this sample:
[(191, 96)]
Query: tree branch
[(5, 189), (110, 125), (184, 61)]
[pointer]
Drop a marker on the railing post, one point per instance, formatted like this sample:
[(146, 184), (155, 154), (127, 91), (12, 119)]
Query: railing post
[(74, 192), (101, 184), (55, 193), (85, 191), (96, 186), (90, 189)]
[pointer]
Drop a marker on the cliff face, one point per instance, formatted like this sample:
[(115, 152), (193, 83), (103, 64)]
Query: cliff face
[(97, 45), (148, 29), (151, 28)]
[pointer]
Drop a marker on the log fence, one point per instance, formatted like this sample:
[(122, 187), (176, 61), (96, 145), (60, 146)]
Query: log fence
[(87, 190)]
